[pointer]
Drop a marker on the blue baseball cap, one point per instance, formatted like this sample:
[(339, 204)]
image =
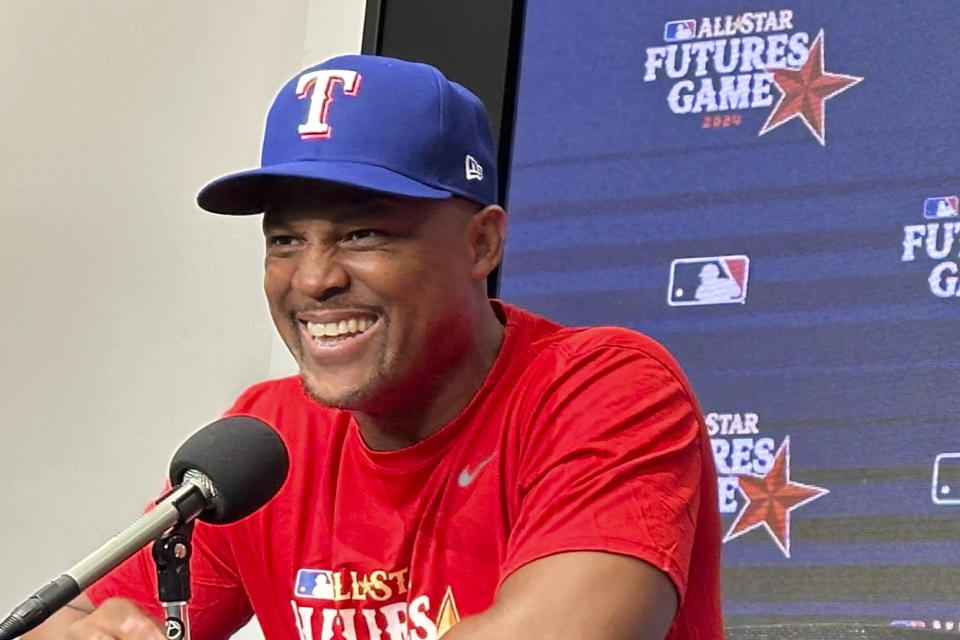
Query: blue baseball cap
[(369, 122)]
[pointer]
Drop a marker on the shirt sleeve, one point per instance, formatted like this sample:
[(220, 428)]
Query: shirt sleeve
[(612, 462)]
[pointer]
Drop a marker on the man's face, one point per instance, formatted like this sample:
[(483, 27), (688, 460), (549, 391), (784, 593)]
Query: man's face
[(370, 293)]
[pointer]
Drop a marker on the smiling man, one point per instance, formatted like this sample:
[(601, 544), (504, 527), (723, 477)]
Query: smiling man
[(459, 467), (368, 293)]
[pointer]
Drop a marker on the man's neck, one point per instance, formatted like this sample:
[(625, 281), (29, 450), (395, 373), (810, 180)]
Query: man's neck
[(415, 422)]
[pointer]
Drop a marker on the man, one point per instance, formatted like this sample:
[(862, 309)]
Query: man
[(459, 467)]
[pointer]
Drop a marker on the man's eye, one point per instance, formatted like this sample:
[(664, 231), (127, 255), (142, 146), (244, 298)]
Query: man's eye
[(280, 241), (360, 234)]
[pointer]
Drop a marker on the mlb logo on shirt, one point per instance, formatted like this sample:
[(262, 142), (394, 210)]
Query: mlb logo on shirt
[(679, 30), (936, 208), (708, 280), (315, 583)]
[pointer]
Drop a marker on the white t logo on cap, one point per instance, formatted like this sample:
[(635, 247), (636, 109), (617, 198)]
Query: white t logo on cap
[(472, 168), (319, 86)]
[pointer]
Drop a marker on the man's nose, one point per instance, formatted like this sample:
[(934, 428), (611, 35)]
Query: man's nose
[(319, 273)]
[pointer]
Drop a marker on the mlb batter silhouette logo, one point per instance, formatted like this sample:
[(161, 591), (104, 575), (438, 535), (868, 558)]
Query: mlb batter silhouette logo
[(937, 208), (314, 583), (708, 280), (679, 30)]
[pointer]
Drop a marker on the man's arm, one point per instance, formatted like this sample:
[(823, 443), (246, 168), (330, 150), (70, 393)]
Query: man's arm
[(57, 626), (615, 490), (574, 596), (116, 618)]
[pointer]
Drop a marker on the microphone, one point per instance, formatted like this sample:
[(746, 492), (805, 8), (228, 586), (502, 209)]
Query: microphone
[(222, 473)]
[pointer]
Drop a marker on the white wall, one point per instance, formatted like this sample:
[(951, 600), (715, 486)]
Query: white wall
[(129, 318)]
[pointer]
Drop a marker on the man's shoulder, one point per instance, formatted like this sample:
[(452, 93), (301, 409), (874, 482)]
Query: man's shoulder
[(550, 355), (553, 344), (575, 341)]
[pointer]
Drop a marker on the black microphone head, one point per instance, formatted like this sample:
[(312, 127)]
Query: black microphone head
[(245, 460)]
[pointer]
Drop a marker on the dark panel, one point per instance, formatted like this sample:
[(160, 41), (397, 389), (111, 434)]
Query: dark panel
[(474, 43), (468, 40), (372, 21)]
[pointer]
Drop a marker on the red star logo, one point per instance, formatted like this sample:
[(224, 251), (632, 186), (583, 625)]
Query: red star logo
[(805, 91), (770, 499)]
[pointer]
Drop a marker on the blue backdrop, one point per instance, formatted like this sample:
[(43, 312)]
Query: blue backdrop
[(771, 193)]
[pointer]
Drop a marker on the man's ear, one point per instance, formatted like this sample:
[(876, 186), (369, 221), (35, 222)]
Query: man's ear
[(487, 234)]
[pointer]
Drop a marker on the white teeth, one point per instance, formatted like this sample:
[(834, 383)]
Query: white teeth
[(343, 327)]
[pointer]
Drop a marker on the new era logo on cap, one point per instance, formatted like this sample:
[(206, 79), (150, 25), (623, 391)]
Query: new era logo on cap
[(374, 123), (472, 168)]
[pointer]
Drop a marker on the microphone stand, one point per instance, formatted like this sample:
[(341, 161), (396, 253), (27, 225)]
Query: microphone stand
[(171, 552)]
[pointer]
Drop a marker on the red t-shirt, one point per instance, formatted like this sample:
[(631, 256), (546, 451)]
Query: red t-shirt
[(579, 439)]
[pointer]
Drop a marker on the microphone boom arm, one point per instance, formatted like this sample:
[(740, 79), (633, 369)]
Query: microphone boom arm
[(181, 505)]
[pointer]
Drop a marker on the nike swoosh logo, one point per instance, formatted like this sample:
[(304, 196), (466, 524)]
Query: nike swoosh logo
[(466, 477)]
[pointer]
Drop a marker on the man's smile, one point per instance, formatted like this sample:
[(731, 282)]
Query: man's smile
[(341, 328), (337, 336)]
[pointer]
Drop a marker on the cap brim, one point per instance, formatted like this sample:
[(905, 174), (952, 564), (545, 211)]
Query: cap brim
[(251, 191)]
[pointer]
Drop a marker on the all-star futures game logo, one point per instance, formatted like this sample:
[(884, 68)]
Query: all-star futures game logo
[(722, 65), (754, 477), (936, 239)]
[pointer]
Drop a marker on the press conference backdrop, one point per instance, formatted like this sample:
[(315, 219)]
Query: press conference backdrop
[(771, 192)]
